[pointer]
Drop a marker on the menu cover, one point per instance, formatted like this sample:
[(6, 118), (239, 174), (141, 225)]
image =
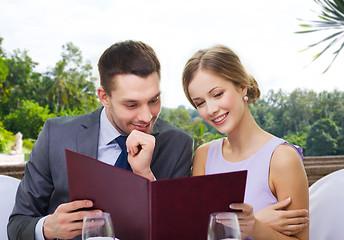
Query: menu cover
[(166, 209)]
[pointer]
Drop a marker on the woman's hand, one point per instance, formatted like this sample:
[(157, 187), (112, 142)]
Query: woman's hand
[(246, 218), (288, 222)]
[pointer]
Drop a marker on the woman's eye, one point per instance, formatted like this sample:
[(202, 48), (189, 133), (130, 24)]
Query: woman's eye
[(218, 94), (199, 104)]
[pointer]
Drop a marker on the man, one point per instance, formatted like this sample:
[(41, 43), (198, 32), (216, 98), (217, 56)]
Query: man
[(130, 94)]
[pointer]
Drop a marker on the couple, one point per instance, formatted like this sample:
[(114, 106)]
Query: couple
[(215, 83)]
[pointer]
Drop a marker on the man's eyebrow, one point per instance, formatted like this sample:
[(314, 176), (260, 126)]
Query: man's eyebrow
[(129, 101), (156, 96)]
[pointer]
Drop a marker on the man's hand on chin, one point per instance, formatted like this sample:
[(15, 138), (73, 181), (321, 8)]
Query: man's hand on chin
[(140, 147)]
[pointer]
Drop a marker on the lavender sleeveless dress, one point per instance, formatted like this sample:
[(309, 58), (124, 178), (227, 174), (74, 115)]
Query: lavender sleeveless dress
[(258, 193)]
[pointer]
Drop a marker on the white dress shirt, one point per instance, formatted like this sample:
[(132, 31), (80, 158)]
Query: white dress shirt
[(108, 149)]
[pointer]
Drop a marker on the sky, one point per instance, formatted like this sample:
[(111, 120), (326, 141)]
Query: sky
[(262, 33)]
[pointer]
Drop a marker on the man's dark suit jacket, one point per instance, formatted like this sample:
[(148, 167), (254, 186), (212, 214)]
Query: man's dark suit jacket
[(44, 185)]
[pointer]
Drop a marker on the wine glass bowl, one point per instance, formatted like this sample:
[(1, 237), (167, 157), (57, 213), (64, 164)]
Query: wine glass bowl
[(223, 225), (97, 227)]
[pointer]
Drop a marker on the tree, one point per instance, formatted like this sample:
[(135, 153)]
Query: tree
[(201, 134), (298, 139), (2, 52), (178, 117), (3, 67), (322, 138), (3, 76), (70, 84), (331, 20), (18, 82), (6, 138), (27, 119)]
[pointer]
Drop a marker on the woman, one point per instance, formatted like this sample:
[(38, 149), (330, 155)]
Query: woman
[(217, 85)]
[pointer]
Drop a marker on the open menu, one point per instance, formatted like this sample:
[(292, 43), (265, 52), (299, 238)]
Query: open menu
[(166, 209)]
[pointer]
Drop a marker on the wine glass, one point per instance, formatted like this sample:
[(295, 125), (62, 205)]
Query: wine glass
[(223, 225), (97, 227)]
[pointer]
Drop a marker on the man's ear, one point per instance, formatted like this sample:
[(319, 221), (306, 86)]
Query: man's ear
[(103, 97)]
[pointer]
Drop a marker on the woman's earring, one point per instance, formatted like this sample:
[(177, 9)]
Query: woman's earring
[(246, 98)]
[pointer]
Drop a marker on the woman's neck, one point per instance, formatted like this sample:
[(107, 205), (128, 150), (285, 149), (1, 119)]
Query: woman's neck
[(246, 139)]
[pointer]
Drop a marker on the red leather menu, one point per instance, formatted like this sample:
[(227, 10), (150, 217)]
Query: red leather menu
[(166, 209)]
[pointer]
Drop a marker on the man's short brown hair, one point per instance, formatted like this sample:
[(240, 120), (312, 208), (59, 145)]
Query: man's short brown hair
[(128, 57)]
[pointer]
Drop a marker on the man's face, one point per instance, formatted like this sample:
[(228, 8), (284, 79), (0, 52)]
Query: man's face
[(134, 104)]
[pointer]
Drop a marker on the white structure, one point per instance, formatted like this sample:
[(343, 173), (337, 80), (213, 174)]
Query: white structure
[(8, 189), (15, 156), (18, 144), (326, 198)]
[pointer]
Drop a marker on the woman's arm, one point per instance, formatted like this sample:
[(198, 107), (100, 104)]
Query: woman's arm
[(200, 160), (287, 179)]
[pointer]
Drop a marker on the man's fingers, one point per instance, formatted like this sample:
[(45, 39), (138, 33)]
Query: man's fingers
[(79, 215), (137, 140), (73, 206), (70, 212)]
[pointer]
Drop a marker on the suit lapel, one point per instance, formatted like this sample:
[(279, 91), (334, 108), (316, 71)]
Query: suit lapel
[(88, 135), (155, 132)]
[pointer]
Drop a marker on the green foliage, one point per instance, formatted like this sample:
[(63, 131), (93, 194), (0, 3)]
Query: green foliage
[(191, 122), (27, 119), (298, 139), (3, 75), (69, 112), (200, 133), (340, 142), (3, 71), (19, 74), (322, 138), (70, 84), (68, 87), (28, 144), (178, 117), (6, 139), (1, 50)]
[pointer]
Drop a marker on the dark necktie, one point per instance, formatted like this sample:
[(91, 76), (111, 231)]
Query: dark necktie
[(122, 160)]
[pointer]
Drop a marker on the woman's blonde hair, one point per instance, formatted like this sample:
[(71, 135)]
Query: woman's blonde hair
[(223, 62)]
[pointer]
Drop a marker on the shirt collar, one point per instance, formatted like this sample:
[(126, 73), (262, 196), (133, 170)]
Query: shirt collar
[(107, 131)]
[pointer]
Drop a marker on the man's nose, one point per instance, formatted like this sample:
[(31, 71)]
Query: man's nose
[(145, 114)]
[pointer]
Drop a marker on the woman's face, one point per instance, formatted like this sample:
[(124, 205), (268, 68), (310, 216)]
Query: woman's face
[(219, 102)]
